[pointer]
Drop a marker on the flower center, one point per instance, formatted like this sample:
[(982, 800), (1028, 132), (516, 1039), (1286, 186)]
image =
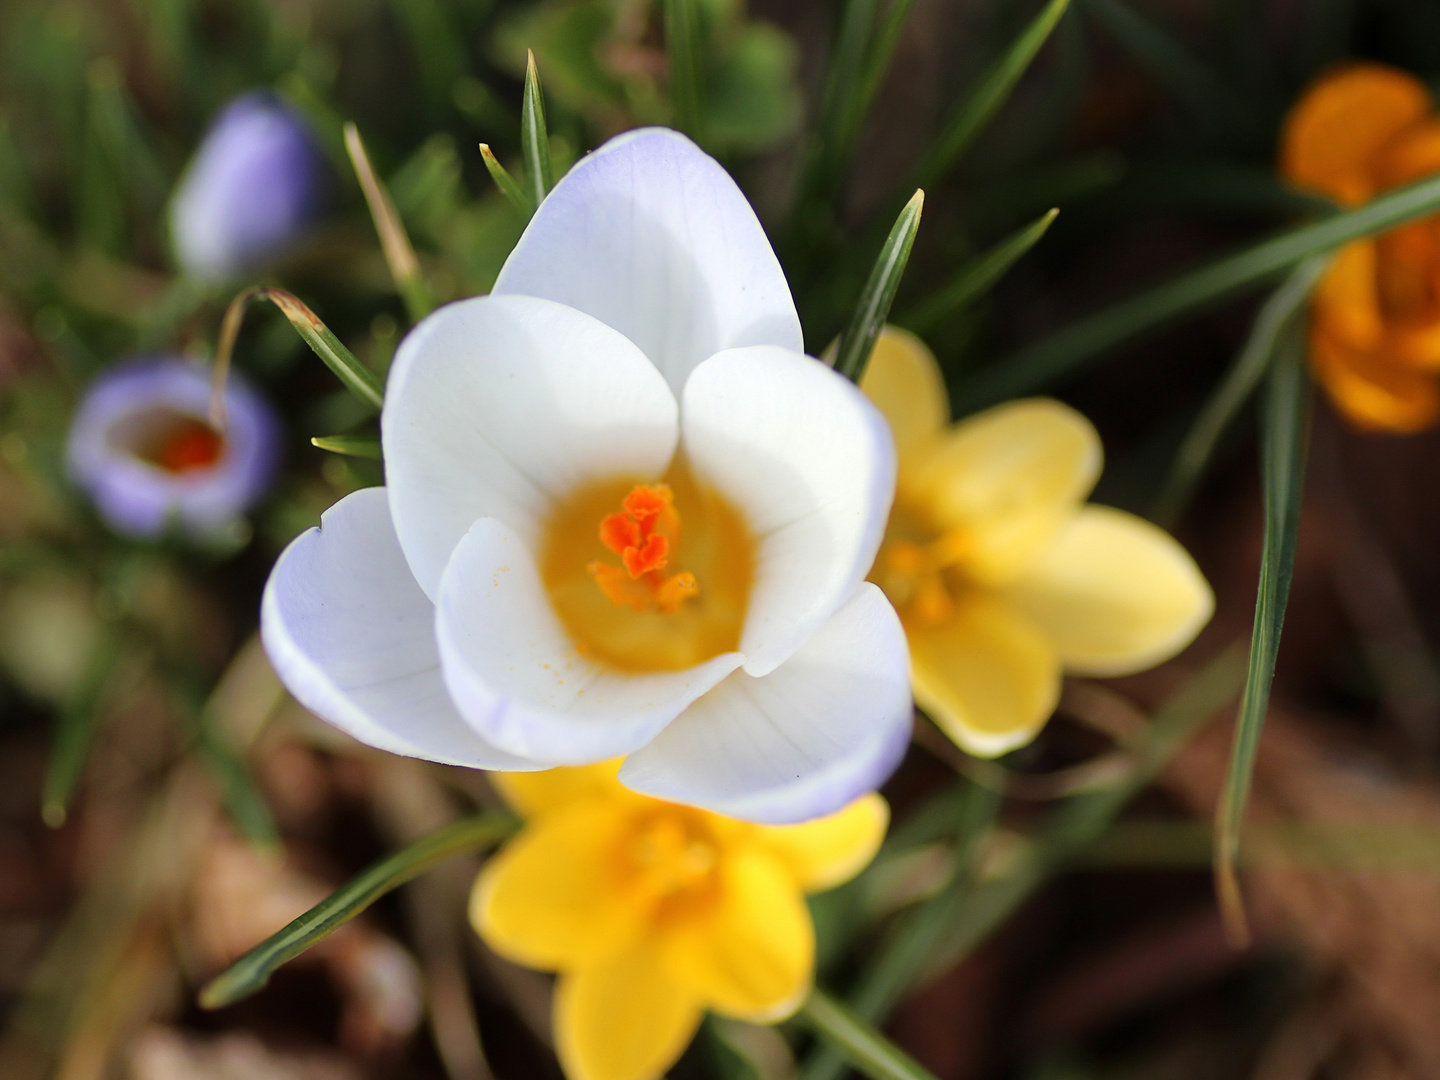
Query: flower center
[(634, 594), (641, 535), (173, 441), (671, 854), (920, 569)]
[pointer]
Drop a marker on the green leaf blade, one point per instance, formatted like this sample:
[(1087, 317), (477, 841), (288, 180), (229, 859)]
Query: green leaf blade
[(534, 135), (977, 276), (864, 1047), (1239, 383), (360, 446), (992, 91), (858, 341), (507, 184), (1285, 434), (682, 52), (252, 971), (1041, 362)]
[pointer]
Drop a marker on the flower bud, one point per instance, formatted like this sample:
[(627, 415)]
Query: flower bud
[(143, 448), (251, 188)]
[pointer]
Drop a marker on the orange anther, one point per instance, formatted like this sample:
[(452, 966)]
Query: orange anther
[(647, 558), (619, 532), (641, 534)]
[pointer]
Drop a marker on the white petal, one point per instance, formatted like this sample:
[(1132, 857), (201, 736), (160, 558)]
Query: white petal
[(516, 676), (353, 638), (811, 464), (829, 724), (496, 406), (650, 235)]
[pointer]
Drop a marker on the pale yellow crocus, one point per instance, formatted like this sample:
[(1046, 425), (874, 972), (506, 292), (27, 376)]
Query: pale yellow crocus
[(1004, 577), (653, 912)]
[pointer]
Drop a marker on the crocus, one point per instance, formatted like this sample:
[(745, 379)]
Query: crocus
[(1004, 578), (142, 446), (250, 190), (625, 516), (653, 912), (1375, 327)]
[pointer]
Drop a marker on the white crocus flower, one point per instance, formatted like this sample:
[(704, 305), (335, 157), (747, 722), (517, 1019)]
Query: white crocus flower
[(625, 516)]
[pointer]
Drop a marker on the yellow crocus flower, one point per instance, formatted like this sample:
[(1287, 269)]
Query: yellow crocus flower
[(1003, 576), (653, 912)]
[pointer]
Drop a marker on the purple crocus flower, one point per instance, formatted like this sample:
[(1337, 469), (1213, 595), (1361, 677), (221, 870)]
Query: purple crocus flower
[(142, 447), (251, 188)]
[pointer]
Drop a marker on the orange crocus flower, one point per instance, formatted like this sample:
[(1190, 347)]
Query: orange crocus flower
[(1375, 328)]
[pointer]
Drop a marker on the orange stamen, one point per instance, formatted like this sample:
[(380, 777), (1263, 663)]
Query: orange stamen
[(192, 445), (641, 534)]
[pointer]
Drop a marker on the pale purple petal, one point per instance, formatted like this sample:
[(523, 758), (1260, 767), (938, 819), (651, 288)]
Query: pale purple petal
[(252, 187), (139, 498)]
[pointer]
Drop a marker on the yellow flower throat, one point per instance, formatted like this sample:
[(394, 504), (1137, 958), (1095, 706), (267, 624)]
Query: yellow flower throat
[(635, 590), (921, 569)]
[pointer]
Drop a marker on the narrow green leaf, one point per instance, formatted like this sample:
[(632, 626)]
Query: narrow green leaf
[(891, 971), (975, 909), (252, 971), (977, 276), (358, 379), (682, 54), (1284, 434), (858, 340), (534, 136), (994, 87), (239, 789), (394, 241), (1198, 89), (863, 1047), (844, 82), (361, 446), (877, 66), (507, 183), (1249, 367), (74, 733), (1039, 363)]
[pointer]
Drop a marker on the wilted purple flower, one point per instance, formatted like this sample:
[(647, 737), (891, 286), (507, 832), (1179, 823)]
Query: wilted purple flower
[(251, 187), (142, 447)]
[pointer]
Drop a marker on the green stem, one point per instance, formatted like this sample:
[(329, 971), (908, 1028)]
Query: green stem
[(1046, 360), (858, 341), (252, 971), (863, 1047), (1239, 383)]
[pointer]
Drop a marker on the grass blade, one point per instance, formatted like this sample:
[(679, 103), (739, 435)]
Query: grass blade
[(534, 136), (241, 793), (879, 293), (1284, 435), (863, 1047), (252, 971), (682, 54), (994, 87), (394, 241), (845, 82), (891, 971), (1041, 362), (74, 733), (977, 909), (977, 276), (877, 66), (358, 379), (1249, 367), (361, 446), (507, 184), (1198, 89)]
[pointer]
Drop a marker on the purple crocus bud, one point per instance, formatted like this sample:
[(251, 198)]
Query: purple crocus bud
[(143, 448), (251, 188)]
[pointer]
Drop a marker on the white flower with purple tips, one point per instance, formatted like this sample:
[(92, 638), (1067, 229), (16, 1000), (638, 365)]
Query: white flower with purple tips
[(625, 516), (143, 448)]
